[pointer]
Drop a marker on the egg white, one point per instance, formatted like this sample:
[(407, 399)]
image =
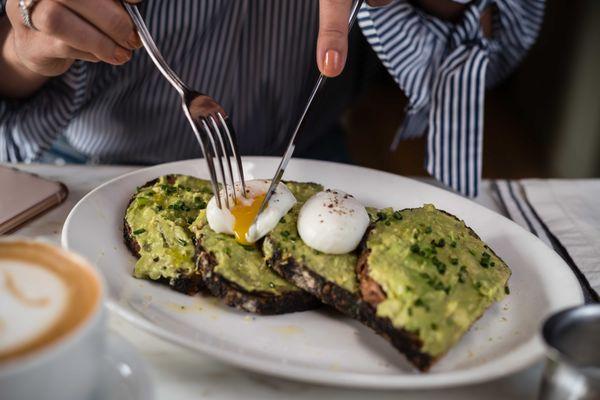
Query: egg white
[(332, 222), (222, 220)]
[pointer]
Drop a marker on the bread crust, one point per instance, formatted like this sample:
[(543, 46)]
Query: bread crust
[(233, 295)]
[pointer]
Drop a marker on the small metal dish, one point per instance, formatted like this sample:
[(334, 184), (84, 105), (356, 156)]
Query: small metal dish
[(572, 369)]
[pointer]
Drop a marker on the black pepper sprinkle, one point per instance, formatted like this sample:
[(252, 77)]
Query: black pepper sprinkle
[(506, 290)]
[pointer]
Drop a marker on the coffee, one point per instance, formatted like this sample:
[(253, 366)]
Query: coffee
[(45, 294)]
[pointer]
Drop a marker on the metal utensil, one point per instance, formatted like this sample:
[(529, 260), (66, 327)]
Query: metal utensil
[(208, 119), (292, 143), (573, 367)]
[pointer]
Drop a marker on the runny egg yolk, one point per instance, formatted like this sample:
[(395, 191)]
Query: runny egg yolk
[(244, 215)]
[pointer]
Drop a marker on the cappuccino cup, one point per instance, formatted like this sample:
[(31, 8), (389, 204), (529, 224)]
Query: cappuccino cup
[(52, 323)]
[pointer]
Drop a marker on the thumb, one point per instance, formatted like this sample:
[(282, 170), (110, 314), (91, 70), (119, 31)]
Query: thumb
[(332, 44)]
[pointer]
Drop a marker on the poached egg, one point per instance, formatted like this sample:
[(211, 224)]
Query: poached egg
[(239, 220), (332, 222)]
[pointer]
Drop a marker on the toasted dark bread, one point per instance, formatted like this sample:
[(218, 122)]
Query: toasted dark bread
[(256, 302), (188, 283), (300, 275), (372, 294)]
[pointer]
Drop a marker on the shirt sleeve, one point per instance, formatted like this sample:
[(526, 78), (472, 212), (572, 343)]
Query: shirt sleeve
[(444, 68), (28, 127)]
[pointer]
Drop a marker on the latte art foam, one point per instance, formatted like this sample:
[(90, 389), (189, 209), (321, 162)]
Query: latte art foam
[(45, 294), (32, 300)]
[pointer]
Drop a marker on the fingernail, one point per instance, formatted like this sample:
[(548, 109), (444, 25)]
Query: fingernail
[(134, 40), (332, 62), (122, 55)]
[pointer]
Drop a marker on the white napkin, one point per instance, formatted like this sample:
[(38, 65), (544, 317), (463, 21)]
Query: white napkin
[(571, 211), (564, 214)]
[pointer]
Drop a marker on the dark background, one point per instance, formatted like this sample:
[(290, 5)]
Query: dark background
[(544, 121)]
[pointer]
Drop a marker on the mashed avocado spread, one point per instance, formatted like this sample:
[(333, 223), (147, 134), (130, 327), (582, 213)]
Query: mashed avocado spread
[(239, 264), (159, 216), (285, 238), (438, 276)]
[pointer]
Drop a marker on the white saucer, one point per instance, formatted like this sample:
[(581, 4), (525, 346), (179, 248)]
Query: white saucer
[(124, 373)]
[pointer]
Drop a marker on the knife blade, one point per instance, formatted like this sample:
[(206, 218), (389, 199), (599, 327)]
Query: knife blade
[(292, 143)]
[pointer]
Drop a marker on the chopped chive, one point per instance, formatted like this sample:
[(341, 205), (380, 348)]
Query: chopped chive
[(453, 243), (138, 231), (506, 290), (428, 230), (453, 260), (398, 215), (415, 248), (182, 242)]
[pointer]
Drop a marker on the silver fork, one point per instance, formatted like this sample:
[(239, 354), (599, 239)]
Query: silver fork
[(208, 119)]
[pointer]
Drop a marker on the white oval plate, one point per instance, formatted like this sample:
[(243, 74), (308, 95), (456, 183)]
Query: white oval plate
[(322, 346)]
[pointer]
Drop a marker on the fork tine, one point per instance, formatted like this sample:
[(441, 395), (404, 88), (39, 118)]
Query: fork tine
[(226, 155), (208, 157), (216, 150), (233, 145)]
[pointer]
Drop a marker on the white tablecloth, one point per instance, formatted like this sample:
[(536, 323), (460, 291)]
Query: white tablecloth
[(179, 374)]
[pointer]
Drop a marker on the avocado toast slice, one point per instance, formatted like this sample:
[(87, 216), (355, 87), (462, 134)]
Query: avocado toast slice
[(331, 278), (426, 277), (156, 230), (239, 275)]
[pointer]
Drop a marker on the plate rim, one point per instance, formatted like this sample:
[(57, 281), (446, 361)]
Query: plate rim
[(473, 375)]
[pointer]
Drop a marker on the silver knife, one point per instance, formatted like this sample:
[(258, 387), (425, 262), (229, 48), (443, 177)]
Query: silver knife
[(292, 144)]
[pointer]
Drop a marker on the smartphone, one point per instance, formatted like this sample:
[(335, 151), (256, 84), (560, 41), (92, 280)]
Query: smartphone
[(23, 196)]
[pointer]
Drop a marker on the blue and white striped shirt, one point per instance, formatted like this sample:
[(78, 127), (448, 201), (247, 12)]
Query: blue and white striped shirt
[(256, 57)]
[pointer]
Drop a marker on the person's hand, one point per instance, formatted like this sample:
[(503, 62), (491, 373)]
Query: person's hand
[(69, 30), (332, 45)]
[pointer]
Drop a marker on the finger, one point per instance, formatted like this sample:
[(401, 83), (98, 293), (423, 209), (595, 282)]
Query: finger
[(60, 22), (332, 44), (63, 50), (109, 17)]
